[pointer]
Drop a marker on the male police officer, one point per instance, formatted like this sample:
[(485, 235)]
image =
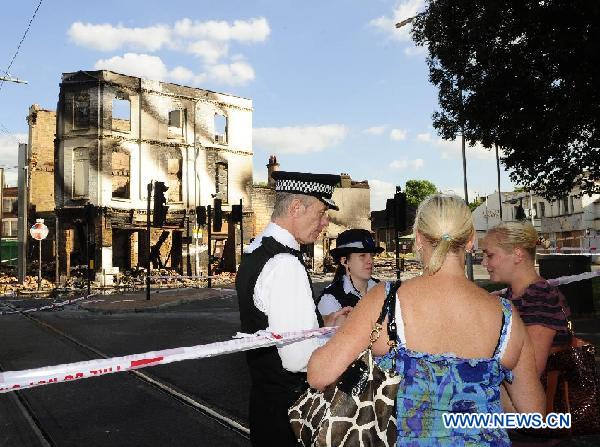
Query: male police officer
[(275, 292)]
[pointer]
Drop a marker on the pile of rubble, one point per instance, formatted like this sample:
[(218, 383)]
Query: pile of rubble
[(382, 264), (167, 278), (9, 285)]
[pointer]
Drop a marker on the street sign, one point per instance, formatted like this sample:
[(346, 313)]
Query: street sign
[(39, 231), (197, 233)]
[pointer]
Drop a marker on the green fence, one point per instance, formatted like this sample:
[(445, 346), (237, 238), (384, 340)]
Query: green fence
[(8, 252)]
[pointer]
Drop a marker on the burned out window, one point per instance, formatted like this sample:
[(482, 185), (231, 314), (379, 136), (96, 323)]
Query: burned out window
[(220, 129), (81, 172), (564, 205), (174, 175), (81, 111), (176, 120), (222, 181), (121, 113), (10, 205), (121, 161)]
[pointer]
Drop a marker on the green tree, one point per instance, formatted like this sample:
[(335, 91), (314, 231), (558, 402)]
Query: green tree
[(417, 190), (523, 75), (475, 203)]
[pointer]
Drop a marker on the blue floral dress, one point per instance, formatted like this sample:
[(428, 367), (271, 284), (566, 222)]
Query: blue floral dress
[(433, 384)]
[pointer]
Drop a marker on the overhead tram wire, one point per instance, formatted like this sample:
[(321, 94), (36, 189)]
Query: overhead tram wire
[(6, 72)]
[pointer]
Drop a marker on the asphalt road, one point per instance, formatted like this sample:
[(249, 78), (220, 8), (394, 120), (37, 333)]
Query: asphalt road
[(120, 409)]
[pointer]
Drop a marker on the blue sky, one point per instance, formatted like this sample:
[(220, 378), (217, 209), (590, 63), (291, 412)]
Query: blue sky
[(335, 87)]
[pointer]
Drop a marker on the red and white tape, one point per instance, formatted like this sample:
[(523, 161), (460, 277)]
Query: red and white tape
[(18, 380), (49, 306), (563, 280)]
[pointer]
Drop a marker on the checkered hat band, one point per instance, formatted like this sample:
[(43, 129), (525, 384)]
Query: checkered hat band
[(303, 187)]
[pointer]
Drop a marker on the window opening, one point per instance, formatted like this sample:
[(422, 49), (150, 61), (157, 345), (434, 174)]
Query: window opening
[(121, 114), (220, 129), (81, 172), (120, 172), (222, 181)]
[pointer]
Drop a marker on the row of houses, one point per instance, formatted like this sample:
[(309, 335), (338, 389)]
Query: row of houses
[(87, 164), (571, 224)]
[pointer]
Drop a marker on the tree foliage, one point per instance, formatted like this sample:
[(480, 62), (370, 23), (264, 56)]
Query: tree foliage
[(524, 75), (417, 190)]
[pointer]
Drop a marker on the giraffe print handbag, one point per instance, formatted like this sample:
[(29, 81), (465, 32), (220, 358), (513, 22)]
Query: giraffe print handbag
[(360, 408)]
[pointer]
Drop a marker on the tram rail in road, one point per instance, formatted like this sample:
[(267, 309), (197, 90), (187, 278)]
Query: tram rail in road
[(34, 405)]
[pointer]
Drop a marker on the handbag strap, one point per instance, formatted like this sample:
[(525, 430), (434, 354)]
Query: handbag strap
[(569, 323), (388, 310)]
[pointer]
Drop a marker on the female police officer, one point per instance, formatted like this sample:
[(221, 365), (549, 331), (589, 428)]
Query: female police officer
[(353, 253)]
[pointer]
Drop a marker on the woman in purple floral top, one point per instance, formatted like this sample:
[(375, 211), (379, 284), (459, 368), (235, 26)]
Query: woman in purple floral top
[(509, 256)]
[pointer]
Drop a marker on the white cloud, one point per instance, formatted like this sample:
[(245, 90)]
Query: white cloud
[(182, 74), (415, 164), (210, 41), (253, 30), (236, 73), (299, 139), (375, 130), (107, 37), (143, 65), (415, 51), (9, 155), (399, 164), (398, 134), (453, 148), (424, 137), (380, 192), (404, 9), (210, 52), (152, 67)]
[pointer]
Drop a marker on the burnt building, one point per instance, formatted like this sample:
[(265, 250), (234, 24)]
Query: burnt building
[(114, 135)]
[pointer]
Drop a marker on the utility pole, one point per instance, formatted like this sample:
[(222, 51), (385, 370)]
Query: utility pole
[(22, 233), (1, 210), (498, 171), (241, 230), (469, 257), (148, 251), (209, 267)]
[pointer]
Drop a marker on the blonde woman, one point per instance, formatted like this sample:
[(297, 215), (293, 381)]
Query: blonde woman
[(456, 344), (509, 256)]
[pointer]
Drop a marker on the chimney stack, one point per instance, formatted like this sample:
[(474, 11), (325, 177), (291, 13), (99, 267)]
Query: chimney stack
[(272, 167)]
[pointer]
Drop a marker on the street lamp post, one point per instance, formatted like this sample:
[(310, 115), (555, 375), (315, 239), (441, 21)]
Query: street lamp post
[(469, 256)]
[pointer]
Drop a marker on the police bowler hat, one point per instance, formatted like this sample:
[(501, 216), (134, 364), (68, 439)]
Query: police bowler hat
[(354, 241)]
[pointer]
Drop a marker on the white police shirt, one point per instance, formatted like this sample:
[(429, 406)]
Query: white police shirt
[(283, 293), (329, 304)]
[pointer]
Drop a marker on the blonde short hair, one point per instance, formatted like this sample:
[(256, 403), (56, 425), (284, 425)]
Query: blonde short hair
[(511, 235), (446, 222)]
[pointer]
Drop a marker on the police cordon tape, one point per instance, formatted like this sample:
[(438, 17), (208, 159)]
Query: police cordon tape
[(50, 306), (563, 280), (18, 380)]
